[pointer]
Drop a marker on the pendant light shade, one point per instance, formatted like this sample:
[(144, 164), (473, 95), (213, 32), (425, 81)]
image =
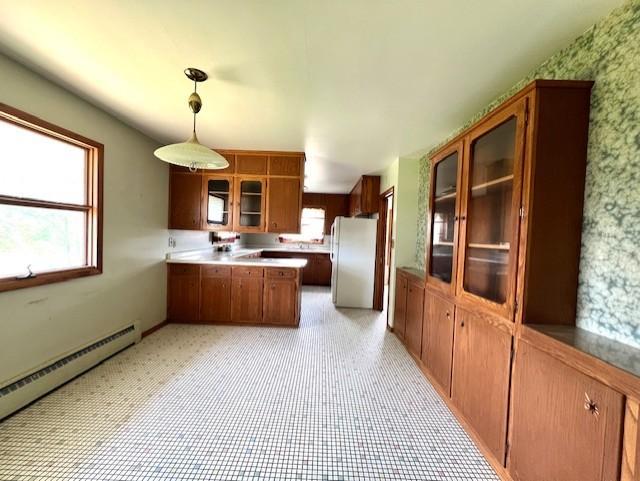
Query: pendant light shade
[(192, 153)]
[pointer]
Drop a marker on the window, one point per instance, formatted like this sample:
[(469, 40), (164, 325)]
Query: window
[(50, 202), (311, 227)]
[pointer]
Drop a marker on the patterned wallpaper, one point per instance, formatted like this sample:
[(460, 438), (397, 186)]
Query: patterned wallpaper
[(609, 287)]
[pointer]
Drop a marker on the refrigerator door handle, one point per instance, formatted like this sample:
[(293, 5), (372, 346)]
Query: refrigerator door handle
[(333, 240)]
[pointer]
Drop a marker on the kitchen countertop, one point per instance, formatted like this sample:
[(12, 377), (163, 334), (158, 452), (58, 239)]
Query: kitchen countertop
[(238, 257), (295, 250)]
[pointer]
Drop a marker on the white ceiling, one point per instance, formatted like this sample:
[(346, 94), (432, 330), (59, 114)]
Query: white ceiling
[(353, 83)]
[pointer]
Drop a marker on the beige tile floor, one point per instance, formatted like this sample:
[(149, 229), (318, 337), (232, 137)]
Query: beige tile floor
[(337, 399)]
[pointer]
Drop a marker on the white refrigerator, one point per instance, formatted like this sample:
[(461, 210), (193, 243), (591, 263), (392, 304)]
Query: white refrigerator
[(353, 259)]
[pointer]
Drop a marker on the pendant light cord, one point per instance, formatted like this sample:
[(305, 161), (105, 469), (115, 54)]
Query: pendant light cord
[(195, 89)]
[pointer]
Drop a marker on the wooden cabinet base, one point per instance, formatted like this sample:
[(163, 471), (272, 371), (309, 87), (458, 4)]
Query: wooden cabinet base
[(211, 294)]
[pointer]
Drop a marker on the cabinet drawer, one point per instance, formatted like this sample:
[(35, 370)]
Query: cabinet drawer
[(281, 273), (184, 269), (216, 271), (242, 271)]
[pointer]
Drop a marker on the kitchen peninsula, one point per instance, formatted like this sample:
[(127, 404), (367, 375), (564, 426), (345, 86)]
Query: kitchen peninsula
[(238, 287)]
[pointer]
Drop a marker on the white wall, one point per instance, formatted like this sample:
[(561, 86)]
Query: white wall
[(39, 323)]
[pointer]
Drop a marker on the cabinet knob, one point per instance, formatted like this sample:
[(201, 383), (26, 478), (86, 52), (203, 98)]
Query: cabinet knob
[(462, 323), (463, 217), (591, 406), (281, 273), (448, 315)]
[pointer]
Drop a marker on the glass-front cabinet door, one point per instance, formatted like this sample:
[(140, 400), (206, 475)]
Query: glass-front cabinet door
[(218, 203), (490, 216), (250, 202), (444, 208)]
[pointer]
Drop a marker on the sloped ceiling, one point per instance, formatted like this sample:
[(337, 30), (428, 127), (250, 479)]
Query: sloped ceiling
[(354, 83)]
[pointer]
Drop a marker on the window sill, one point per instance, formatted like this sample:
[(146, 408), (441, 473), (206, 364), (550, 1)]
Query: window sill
[(11, 283)]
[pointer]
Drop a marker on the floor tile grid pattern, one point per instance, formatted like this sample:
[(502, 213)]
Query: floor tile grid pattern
[(337, 399)]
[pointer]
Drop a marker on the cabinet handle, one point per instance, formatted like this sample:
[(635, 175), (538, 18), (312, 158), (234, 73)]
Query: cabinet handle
[(448, 315), (281, 273), (463, 217), (461, 322), (591, 406)]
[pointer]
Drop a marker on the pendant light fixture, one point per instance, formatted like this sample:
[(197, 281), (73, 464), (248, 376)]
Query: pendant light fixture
[(192, 154)]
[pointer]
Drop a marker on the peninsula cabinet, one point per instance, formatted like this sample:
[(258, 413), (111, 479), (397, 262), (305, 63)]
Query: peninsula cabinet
[(183, 292), (566, 426), (213, 293), (258, 192)]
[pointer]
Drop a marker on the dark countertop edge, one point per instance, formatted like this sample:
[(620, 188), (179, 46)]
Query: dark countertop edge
[(614, 353), (415, 272)]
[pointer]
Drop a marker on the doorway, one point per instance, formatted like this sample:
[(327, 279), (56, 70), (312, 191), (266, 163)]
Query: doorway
[(384, 251)]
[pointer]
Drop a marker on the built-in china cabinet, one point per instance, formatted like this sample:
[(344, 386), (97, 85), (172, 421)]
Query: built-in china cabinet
[(543, 399)]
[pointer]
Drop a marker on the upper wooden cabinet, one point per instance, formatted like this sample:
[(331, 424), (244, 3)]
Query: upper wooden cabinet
[(185, 201), (239, 198), (363, 199), (506, 206), (283, 205), (251, 164), (286, 165)]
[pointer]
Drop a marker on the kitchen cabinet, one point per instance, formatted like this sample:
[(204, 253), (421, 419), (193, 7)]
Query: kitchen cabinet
[(283, 194), (251, 163), (217, 202), (184, 200), (413, 317), (215, 293), (280, 301), (322, 267), (286, 165), (437, 338), (317, 272), (250, 204), (183, 301), (480, 381), (246, 299), (400, 306), (566, 425), (237, 198), (363, 199)]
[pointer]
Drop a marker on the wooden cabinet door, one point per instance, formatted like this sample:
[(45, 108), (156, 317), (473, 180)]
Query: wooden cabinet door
[(283, 205), (184, 293), (215, 299), (251, 164), (480, 383), (246, 300), (437, 338), (555, 436), (250, 204), (323, 270), (217, 202), (400, 308), (355, 200), (308, 271), (413, 316), (185, 200), (444, 206), (490, 213), (280, 301), (288, 165)]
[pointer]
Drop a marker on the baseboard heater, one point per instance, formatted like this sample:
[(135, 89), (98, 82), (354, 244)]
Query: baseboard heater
[(17, 393)]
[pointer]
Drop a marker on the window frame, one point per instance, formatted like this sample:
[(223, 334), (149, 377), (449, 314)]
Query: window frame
[(94, 172)]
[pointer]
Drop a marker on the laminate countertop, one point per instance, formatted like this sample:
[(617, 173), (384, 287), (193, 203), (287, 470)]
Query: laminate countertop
[(238, 257)]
